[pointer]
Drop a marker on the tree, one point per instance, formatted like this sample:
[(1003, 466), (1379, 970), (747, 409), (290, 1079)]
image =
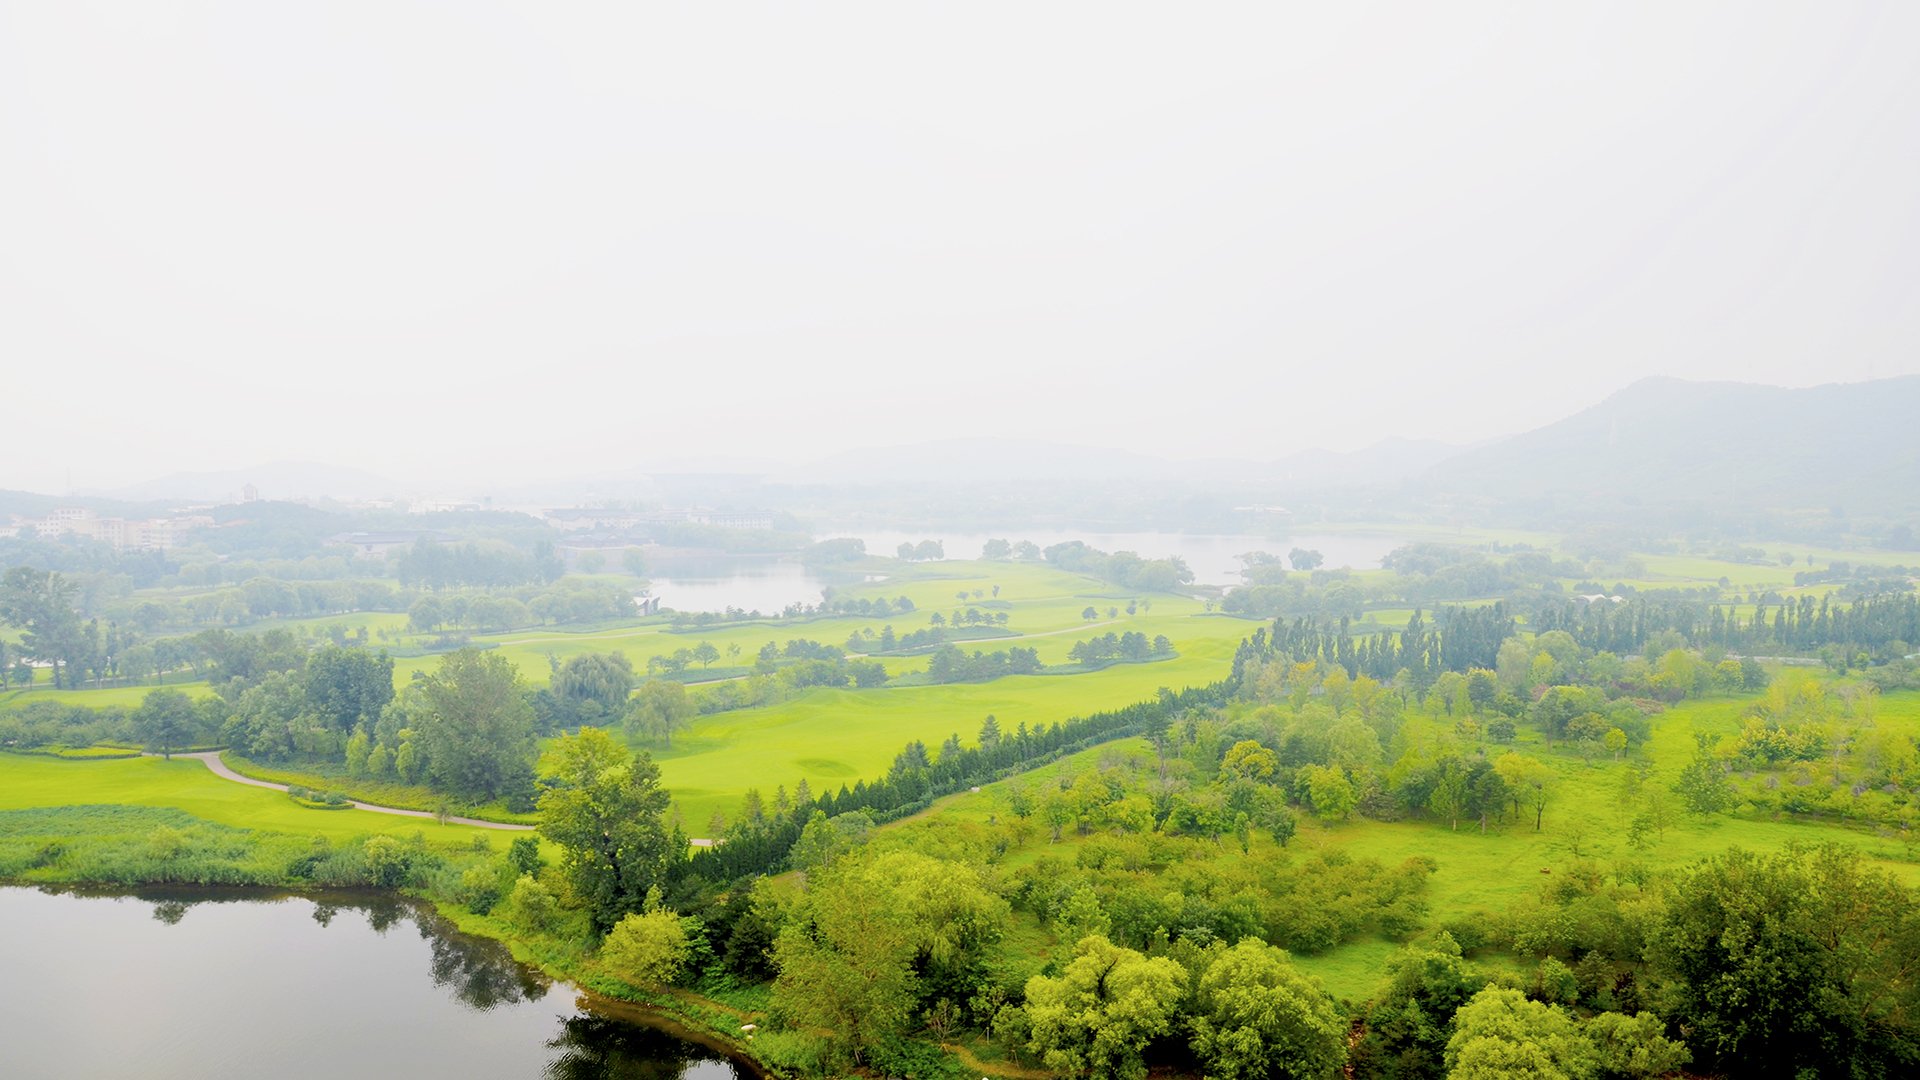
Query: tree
[(1256, 1016), (875, 940), (661, 706), (646, 949), (41, 605), (475, 725), (996, 549), (1089, 613), (1616, 742), (1500, 1035), (1248, 760), (1102, 1011), (426, 615), (594, 685), (1329, 791), (1305, 558), (1409, 1022), (1792, 964), (635, 562), (705, 654), (1634, 1047), (166, 720), (1529, 781), (348, 687), (607, 812), (825, 839), (1703, 785)]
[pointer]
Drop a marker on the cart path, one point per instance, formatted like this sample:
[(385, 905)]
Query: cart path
[(211, 759)]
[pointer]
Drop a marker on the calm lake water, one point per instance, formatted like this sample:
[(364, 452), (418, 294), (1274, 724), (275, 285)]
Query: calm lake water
[(1215, 559), (768, 585), (193, 985)]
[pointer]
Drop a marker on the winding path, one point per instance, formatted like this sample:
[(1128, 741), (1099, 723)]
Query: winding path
[(211, 759)]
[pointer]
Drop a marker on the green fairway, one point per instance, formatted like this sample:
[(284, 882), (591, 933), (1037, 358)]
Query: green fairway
[(835, 737)]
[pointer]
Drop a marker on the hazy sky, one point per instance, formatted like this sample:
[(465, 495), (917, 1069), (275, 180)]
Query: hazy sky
[(511, 240)]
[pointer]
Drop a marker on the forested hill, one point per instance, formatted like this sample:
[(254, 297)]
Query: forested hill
[(1661, 440)]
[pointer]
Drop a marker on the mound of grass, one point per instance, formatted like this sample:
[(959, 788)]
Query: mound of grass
[(75, 753), (332, 777)]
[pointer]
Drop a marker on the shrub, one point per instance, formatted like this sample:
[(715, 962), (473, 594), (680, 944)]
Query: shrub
[(480, 888), (388, 861), (531, 906), (646, 950)]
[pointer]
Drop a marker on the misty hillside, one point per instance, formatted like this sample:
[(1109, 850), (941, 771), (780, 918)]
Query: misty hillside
[(275, 480), (1666, 440)]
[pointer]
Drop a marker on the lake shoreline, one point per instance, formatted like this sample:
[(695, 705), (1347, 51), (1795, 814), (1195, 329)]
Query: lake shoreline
[(446, 920)]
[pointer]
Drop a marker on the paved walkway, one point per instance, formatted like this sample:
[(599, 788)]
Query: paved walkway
[(211, 759)]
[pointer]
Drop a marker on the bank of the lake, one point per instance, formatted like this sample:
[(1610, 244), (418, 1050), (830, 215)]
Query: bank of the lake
[(224, 982)]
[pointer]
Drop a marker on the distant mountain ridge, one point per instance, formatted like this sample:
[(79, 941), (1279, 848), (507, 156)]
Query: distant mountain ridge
[(1853, 445), (971, 460)]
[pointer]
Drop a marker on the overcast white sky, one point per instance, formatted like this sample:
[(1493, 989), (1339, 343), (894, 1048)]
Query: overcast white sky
[(511, 240)]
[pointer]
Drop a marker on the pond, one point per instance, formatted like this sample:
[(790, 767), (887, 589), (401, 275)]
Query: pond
[(232, 983), (763, 584)]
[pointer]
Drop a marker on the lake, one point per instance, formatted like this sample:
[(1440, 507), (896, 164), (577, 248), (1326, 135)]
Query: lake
[(768, 584), (1214, 558), (229, 983)]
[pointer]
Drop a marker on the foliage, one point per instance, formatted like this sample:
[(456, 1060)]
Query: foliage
[(646, 949), (1500, 1035), (606, 811), (1256, 1017), (1106, 1005), (475, 725)]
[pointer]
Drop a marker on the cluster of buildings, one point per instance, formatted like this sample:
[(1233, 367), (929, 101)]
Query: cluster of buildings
[(587, 518), (125, 534)]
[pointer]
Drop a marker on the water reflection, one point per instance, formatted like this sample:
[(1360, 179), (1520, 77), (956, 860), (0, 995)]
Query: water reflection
[(482, 973), (220, 982), (593, 1046)]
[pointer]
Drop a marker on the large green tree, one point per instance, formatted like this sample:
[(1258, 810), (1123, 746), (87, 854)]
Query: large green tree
[(1500, 1035), (1102, 1011), (166, 721), (1799, 963), (607, 812), (878, 938), (594, 686), (475, 725), (348, 687), (1259, 1017)]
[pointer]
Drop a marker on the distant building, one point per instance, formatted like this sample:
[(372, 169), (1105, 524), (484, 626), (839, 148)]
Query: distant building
[(152, 534), (376, 545), (1595, 598), (249, 494), (584, 518)]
